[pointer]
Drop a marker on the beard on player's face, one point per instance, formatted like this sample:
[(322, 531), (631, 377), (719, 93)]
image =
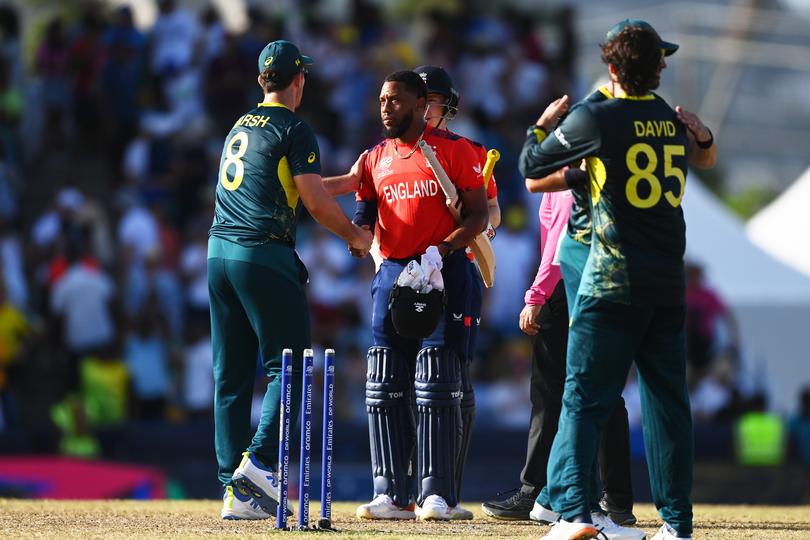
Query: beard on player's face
[(398, 129)]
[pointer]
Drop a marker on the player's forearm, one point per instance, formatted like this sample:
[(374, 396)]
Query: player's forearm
[(494, 210), (329, 214), (340, 185), (473, 222), (539, 160), (323, 207), (553, 182), (703, 158)]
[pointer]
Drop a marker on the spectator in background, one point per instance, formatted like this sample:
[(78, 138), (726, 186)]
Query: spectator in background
[(194, 271), (213, 35), (10, 44), (710, 327), (12, 272), (198, 373), (47, 228), (504, 401), (174, 39), (86, 59), (55, 97), (333, 287), (152, 281), (225, 89), (146, 354), (82, 307), (800, 426), (11, 108), (14, 332), (516, 252), (121, 80), (138, 231)]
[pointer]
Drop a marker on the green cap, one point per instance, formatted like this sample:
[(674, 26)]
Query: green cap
[(282, 57), (669, 48)]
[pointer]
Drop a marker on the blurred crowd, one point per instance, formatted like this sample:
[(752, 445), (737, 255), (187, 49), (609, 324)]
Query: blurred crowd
[(110, 141)]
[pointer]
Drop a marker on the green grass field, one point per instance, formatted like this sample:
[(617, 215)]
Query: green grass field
[(200, 519)]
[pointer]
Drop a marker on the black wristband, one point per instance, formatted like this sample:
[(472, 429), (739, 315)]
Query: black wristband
[(705, 144), (575, 177)]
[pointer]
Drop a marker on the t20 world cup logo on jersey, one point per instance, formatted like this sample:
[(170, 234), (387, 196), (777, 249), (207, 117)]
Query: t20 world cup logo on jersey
[(384, 167)]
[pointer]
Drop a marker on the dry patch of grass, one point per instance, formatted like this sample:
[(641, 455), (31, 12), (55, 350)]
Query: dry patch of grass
[(112, 520)]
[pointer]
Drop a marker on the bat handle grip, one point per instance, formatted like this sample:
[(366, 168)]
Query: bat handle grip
[(492, 158)]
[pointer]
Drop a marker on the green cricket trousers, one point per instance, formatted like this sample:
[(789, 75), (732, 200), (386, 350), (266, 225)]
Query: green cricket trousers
[(604, 339), (258, 308), (614, 448)]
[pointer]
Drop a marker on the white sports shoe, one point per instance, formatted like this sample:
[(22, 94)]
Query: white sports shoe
[(668, 533), (260, 483), (459, 513), (382, 507), (235, 505), (612, 531), (434, 507), (566, 530), (543, 515)]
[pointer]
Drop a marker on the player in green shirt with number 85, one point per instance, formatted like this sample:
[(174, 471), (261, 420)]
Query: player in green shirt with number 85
[(631, 300)]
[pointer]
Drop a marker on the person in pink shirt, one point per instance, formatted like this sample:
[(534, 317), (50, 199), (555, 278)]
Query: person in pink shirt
[(705, 312)]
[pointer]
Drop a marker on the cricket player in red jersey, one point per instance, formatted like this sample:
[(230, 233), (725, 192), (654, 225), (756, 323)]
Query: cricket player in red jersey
[(442, 106), (401, 199)]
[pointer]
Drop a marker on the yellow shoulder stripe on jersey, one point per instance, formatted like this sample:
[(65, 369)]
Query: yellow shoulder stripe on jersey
[(273, 104), (287, 182), (607, 93), (598, 176), (539, 134)]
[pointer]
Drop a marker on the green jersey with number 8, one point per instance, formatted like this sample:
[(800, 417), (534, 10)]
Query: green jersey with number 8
[(256, 197), (635, 149)]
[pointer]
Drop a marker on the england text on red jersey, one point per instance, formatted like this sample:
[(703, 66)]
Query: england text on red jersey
[(411, 210)]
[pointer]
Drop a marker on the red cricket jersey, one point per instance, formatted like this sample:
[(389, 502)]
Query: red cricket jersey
[(411, 210), (480, 149)]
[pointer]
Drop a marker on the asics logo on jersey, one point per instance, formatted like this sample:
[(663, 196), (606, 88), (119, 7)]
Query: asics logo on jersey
[(560, 137), (311, 157)]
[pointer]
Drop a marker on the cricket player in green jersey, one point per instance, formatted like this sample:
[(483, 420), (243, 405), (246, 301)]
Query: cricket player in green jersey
[(630, 303), (255, 279)]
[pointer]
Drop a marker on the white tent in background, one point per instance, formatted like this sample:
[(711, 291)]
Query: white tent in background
[(771, 301), (781, 227)]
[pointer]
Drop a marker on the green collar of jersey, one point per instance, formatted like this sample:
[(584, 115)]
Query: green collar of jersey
[(273, 104), (604, 90)]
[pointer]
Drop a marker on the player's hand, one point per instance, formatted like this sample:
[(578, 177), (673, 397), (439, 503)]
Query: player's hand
[(361, 243), (693, 124), (355, 173), (552, 114), (528, 319)]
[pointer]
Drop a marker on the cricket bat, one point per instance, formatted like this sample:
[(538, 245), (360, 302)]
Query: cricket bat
[(480, 246)]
